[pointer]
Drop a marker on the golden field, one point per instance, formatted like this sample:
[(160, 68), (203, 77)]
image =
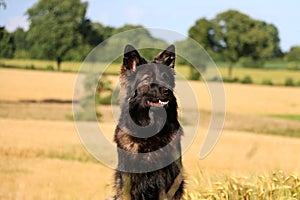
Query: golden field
[(41, 156)]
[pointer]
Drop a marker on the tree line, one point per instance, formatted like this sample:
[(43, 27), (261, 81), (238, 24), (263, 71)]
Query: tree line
[(59, 30)]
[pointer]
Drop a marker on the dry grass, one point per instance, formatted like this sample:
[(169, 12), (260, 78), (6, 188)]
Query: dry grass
[(18, 85), (41, 156), (27, 85), (35, 111), (252, 99), (45, 159), (274, 186)]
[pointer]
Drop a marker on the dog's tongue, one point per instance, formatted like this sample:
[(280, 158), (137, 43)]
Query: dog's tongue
[(158, 104)]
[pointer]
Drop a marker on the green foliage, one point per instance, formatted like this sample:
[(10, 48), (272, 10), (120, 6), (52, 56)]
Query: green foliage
[(235, 35), (21, 43), (106, 100), (7, 46), (49, 68), (289, 82), (293, 65), (78, 53), (287, 116), (194, 74), (194, 56), (93, 89), (87, 116), (249, 62), (267, 82), (293, 54), (202, 33), (247, 80), (89, 34), (32, 67), (140, 38), (128, 27), (54, 27), (233, 80), (104, 31)]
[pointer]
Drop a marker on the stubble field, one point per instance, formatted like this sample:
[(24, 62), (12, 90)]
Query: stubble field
[(41, 156)]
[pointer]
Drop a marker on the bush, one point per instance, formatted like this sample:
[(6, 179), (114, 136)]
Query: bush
[(298, 83), (246, 80), (293, 66), (233, 80), (267, 82), (32, 67), (289, 82), (49, 68), (105, 100), (250, 63), (87, 116), (215, 79), (194, 74)]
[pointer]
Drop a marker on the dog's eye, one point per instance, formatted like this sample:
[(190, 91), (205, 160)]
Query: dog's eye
[(146, 80), (143, 89), (165, 90)]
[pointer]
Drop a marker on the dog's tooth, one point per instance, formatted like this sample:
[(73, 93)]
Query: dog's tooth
[(162, 102)]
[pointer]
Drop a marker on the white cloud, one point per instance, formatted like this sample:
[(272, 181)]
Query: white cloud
[(15, 22)]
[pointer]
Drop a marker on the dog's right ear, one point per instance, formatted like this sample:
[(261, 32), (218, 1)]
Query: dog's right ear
[(131, 59)]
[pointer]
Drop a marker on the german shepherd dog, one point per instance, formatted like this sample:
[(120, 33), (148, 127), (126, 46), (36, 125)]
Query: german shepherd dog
[(148, 132)]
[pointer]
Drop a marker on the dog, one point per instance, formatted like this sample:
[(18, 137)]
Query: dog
[(148, 133)]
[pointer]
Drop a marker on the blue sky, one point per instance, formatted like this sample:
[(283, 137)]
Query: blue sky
[(175, 15)]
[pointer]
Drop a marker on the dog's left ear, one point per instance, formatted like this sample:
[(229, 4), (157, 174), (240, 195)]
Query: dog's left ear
[(167, 57), (131, 59)]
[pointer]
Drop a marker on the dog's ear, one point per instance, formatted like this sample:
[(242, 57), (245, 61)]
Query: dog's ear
[(166, 57), (131, 59)]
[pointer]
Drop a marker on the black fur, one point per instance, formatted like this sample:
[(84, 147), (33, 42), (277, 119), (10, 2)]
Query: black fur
[(148, 133)]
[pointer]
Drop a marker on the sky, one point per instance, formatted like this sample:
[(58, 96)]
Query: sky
[(174, 15)]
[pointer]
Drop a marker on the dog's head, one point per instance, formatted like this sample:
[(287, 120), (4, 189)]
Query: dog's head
[(151, 83), (148, 84)]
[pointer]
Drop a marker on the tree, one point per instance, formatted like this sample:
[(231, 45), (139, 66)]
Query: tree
[(202, 32), (104, 31), (293, 54), (21, 43), (138, 36), (236, 35), (54, 28), (92, 34), (7, 46)]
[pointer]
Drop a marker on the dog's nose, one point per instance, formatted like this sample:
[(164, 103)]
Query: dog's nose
[(154, 89), (158, 90)]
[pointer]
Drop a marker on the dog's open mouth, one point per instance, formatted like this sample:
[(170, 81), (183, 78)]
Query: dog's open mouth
[(158, 103)]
